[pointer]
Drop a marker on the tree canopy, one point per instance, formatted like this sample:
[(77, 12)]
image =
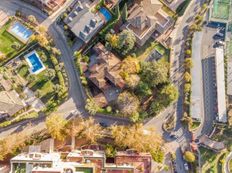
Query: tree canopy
[(56, 125), (154, 73), (128, 103), (189, 156), (136, 137), (124, 41)]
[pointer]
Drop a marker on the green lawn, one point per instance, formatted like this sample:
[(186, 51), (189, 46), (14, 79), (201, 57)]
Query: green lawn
[(143, 52), (84, 170), (23, 71), (7, 42)]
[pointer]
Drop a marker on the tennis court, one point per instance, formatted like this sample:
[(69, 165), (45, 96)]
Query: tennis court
[(221, 9)]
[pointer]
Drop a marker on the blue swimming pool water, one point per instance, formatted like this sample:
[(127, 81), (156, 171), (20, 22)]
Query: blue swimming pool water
[(21, 31), (35, 62), (106, 14)]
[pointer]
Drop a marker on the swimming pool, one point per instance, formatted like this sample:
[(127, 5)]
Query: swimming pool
[(20, 31), (33, 60), (105, 13)]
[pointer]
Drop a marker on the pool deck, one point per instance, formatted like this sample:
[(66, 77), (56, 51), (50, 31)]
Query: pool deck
[(31, 66)]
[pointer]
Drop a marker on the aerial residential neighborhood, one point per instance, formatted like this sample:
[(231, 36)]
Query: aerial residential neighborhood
[(115, 86)]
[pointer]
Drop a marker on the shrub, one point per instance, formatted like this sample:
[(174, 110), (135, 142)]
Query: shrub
[(189, 156)]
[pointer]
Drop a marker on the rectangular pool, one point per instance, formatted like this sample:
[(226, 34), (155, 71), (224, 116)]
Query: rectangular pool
[(33, 60), (105, 13), (20, 31)]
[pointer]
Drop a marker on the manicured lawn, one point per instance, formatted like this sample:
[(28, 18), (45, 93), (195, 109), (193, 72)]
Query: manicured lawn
[(143, 52), (43, 85), (85, 170), (23, 71), (7, 41)]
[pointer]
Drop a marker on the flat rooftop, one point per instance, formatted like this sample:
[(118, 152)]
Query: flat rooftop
[(220, 82)]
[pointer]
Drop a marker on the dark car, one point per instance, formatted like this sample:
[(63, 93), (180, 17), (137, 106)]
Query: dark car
[(103, 124)]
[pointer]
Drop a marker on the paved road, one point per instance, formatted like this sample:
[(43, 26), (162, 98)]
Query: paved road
[(76, 100), (177, 71)]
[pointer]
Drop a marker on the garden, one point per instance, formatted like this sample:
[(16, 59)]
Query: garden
[(48, 84), (9, 45), (145, 71)]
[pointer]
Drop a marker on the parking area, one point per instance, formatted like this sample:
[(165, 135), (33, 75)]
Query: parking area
[(210, 40)]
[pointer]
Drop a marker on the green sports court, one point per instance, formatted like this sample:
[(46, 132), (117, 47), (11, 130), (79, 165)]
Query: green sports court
[(222, 9)]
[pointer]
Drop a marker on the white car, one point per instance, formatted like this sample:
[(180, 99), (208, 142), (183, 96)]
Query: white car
[(220, 43), (186, 167)]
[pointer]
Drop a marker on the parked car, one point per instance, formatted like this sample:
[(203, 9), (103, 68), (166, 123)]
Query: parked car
[(220, 43), (219, 34), (186, 167)]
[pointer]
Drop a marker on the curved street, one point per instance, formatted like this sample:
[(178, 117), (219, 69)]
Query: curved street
[(76, 101)]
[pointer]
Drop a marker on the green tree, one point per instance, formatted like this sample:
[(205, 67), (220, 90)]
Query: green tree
[(188, 52), (187, 77), (132, 81), (169, 94), (138, 138), (56, 126), (42, 40), (130, 65), (32, 19), (91, 106), (188, 63), (193, 27), (117, 11), (154, 73), (56, 51), (91, 131), (110, 151), (187, 87), (50, 74), (143, 89), (189, 156), (42, 29), (128, 103), (126, 41), (113, 40), (124, 13), (156, 107)]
